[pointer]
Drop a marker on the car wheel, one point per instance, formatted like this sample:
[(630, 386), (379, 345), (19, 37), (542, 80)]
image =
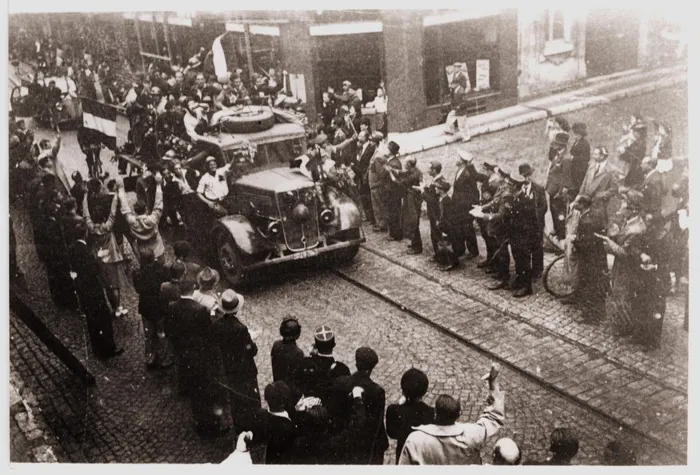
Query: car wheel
[(229, 259), (345, 256)]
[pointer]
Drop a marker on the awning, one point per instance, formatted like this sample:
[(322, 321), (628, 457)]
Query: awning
[(355, 28), (463, 15)]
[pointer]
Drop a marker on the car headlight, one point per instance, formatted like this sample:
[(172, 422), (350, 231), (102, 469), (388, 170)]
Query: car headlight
[(327, 216), (274, 229)]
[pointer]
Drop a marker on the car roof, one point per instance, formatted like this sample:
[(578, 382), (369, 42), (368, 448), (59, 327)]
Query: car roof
[(280, 180), (278, 133)]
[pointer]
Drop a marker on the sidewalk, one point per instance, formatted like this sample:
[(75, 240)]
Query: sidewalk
[(596, 91)]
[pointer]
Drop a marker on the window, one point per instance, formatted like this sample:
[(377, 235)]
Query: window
[(464, 42), (557, 32), (555, 25)]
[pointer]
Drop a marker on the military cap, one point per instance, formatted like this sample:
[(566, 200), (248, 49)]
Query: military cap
[(324, 333), (366, 358)]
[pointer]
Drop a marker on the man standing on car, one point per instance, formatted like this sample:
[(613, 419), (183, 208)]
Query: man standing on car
[(213, 187)]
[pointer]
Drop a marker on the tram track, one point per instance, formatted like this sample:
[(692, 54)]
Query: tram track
[(680, 455)]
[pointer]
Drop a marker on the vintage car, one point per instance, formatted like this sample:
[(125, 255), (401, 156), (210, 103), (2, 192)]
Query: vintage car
[(272, 213), (28, 100)]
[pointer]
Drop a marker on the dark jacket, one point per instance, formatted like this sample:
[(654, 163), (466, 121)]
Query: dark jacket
[(559, 176), (237, 348), (88, 281), (465, 191), (331, 449), (402, 418), (581, 154), (362, 164), (285, 356), (278, 433), (147, 282), (373, 442), (528, 215), (191, 334)]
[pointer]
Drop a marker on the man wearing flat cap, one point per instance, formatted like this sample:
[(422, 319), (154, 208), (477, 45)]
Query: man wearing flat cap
[(559, 183), (465, 194), (238, 351), (371, 446)]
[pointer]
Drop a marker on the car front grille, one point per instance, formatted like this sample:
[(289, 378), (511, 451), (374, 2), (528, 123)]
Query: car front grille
[(299, 234)]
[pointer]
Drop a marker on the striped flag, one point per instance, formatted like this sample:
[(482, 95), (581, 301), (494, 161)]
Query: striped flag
[(101, 118), (219, 57)]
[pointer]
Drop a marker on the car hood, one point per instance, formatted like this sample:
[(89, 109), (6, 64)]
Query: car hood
[(278, 180)]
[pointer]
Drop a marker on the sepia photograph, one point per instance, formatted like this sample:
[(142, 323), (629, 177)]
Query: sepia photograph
[(369, 236)]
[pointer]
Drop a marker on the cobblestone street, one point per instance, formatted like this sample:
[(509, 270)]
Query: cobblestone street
[(557, 370)]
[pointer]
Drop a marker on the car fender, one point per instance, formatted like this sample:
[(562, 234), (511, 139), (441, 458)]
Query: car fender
[(347, 213), (244, 234)]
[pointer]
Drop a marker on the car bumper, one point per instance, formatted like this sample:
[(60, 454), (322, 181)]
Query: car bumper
[(307, 254)]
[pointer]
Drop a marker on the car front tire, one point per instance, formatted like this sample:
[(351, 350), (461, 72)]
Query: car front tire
[(229, 259)]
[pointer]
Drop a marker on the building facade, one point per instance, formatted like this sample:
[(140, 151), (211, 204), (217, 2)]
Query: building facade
[(506, 56)]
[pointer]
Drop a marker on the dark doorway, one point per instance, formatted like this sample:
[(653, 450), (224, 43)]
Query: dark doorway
[(612, 41)]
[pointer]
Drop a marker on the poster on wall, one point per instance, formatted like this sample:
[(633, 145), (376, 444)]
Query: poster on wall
[(482, 74), (458, 78)]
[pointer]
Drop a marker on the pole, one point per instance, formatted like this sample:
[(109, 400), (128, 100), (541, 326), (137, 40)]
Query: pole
[(138, 37), (39, 328), (248, 51)]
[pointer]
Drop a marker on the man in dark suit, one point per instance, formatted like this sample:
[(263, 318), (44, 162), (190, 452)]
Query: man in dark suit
[(371, 446), (365, 152), (327, 369), (432, 202), (411, 411), (633, 151), (559, 183), (465, 194), (652, 187), (580, 155), (394, 193), (447, 225), (529, 208), (497, 218), (599, 183), (274, 427), (191, 336), (285, 354), (93, 302)]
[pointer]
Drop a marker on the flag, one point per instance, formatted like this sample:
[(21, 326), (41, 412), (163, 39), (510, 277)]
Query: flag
[(219, 57), (102, 119)]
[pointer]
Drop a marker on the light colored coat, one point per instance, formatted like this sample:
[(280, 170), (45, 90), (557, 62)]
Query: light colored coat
[(457, 444), (144, 228)]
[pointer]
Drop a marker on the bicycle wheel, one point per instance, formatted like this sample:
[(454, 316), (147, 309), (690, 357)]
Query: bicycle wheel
[(555, 278)]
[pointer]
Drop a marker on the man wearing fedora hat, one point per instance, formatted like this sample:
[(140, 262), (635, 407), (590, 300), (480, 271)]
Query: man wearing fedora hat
[(526, 237), (238, 351), (465, 194), (559, 183), (205, 295)]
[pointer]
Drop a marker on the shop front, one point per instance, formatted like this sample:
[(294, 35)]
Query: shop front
[(475, 51)]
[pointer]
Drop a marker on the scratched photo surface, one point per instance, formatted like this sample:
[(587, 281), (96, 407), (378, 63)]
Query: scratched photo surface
[(356, 237)]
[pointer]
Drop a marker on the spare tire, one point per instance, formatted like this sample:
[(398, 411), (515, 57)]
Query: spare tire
[(247, 120)]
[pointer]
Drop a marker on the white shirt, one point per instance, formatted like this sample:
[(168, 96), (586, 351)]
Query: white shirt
[(599, 167), (527, 189), (214, 187)]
